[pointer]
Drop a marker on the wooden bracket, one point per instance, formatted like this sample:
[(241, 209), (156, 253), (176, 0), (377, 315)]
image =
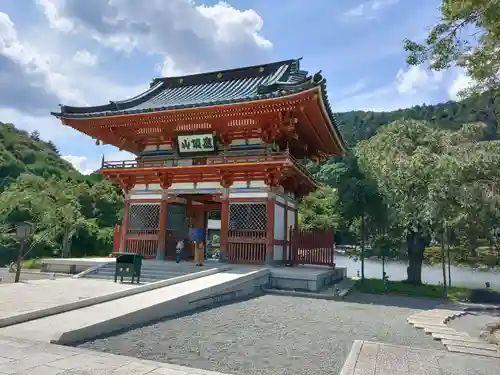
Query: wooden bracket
[(226, 179), (165, 179), (127, 183), (273, 177)]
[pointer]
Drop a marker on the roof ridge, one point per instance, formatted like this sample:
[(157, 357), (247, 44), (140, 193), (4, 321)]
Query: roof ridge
[(225, 71)]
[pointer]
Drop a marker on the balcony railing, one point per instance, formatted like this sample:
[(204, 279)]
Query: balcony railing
[(173, 162)]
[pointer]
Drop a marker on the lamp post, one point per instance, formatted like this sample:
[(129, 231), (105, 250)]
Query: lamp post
[(23, 231)]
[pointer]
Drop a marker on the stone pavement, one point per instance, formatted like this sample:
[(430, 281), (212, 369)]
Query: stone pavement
[(22, 357), (40, 294), (371, 358), (434, 323)]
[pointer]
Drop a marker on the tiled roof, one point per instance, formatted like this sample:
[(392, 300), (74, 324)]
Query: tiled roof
[(207, 89), (215, 88)]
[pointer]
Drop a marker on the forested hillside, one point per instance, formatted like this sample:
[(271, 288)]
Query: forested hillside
[(21, 152), (360, 125), (76, 214), (71, 212)]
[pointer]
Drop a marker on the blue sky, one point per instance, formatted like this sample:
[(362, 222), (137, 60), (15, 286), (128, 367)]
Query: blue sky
[(93, 51)]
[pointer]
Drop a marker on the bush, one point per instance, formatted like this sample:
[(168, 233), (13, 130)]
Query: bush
[(377, 286), (32, 264)]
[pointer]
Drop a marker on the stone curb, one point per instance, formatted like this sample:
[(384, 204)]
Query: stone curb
[(292, 293), (41, 313), (29, 272), (352, 358), (483, 308)]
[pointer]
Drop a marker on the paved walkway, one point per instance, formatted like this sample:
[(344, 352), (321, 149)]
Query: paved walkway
[(40, 294), (22, 357), (371, 358)]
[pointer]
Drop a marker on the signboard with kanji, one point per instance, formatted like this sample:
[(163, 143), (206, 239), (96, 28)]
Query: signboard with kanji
[(196, 143)]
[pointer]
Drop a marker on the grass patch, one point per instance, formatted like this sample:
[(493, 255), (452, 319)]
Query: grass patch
[(377, 286), (32, 264)]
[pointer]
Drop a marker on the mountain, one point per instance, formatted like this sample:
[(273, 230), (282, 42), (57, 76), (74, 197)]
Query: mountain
[(21, 152), (360, 125)]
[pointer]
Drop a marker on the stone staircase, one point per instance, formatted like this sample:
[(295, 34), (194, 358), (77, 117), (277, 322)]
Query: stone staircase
[(151, 270), (434, 321)]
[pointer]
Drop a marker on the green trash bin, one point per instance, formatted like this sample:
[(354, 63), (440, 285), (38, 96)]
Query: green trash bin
[(128, 265)]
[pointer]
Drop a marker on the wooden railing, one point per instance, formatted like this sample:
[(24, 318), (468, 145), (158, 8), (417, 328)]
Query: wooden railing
[(312, 247), (171, 162), (246, 246)]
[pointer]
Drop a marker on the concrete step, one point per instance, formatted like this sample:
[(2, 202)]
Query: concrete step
[(170, 273), (425, 320), (444, 330), (429, 325), (473, 351), (460, 339), (449, 336), (477, 345), (150, 272)]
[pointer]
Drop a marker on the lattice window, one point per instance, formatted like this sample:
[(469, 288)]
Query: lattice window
[(248, 216), (144, 217)]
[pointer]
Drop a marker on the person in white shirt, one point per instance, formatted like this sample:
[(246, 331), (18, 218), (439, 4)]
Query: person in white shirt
[(179, 248)]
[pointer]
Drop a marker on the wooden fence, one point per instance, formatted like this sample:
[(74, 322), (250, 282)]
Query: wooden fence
[(311, 248)]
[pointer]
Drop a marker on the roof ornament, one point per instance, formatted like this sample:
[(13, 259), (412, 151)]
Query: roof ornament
[(317, 77)]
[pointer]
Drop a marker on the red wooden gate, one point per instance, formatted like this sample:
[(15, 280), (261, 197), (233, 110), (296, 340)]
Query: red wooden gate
[(312, 247)]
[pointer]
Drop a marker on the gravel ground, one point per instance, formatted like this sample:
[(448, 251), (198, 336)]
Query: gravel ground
[(272, 335)]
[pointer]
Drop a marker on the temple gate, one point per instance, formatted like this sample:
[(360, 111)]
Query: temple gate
[(227, 141)]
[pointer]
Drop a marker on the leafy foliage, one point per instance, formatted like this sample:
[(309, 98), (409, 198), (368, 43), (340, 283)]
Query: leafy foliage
[(467, 36), (409, 181), (40, 187), (320, 210)]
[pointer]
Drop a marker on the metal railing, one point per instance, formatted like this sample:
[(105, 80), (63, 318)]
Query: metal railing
[(173, 162)]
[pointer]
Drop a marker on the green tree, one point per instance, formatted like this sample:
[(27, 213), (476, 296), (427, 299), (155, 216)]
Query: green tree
[(401, 159), (467, 35), (320, 210)]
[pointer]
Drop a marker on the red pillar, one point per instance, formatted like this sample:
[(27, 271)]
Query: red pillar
[(287, 232), (124, 227), (162, 233), (224, 228), (270, 230)]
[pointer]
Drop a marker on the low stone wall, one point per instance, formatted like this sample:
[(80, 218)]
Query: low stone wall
[(306, 282), (71, 266)]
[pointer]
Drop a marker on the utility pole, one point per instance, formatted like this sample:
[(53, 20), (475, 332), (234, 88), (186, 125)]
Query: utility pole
[(443, 262), (23, 231)]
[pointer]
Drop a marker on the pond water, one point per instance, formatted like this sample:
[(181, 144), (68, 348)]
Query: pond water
[(460, 276)]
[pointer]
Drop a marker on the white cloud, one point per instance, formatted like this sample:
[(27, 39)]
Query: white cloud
[(369, 9), (80, 163), (192, 37), (88, 165), (461, 82), (410, 87), (85, 58), (36, 73), (415, 78)]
